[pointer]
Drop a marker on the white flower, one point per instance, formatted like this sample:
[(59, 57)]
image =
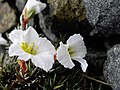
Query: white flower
[(2, 40), (33, 7), (28, 45), (73, 50)]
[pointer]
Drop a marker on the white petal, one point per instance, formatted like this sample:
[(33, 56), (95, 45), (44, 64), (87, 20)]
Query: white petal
[(76, 43), (15, 49), (2, 40), (64, 57), (83, 62), (36, 5), (24, 57), (16, 36), (30, 35), (44, 61), (46, 46)]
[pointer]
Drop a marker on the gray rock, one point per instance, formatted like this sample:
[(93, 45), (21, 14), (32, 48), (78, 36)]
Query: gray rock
[(2, 50), (20, 4), (47, 29), (67, 9), (7, 17), (112, 67), (104, 15)]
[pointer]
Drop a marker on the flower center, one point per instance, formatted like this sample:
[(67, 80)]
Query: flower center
[(71, 52), (29, 48)]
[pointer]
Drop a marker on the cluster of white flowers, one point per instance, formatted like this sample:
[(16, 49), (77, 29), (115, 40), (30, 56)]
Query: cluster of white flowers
[(28, 45)]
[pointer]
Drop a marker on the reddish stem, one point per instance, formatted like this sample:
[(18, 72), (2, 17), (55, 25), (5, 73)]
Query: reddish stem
[(22, 63), (25, 22), (55, 56)]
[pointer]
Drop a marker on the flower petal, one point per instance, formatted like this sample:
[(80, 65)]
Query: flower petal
[(64, 57), (16, 36), (15, 49), (83, 62), (24, 57), (30, 35), (36, 5), (44, 61), (77, 44), (2, 40), (46, 46)]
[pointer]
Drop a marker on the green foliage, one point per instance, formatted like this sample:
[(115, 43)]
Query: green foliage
[(58, 78), (7, 71)]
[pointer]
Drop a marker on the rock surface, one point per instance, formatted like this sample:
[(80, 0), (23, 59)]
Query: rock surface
[(2, 50), (20, 4), (64, 18), (67, 9), (47, 30), (7, 17), (112, 67), (104, 15)]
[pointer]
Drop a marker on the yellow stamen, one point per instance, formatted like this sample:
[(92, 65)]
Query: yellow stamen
[(29, 48), (71, 52)]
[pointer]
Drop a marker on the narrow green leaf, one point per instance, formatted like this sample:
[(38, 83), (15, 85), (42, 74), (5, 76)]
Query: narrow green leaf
[(59, 86)]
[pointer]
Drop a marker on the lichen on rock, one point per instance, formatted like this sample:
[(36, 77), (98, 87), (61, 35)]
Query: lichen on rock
[(68, 9)]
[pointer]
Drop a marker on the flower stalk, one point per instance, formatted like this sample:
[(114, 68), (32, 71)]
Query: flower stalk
[(23, 64)]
